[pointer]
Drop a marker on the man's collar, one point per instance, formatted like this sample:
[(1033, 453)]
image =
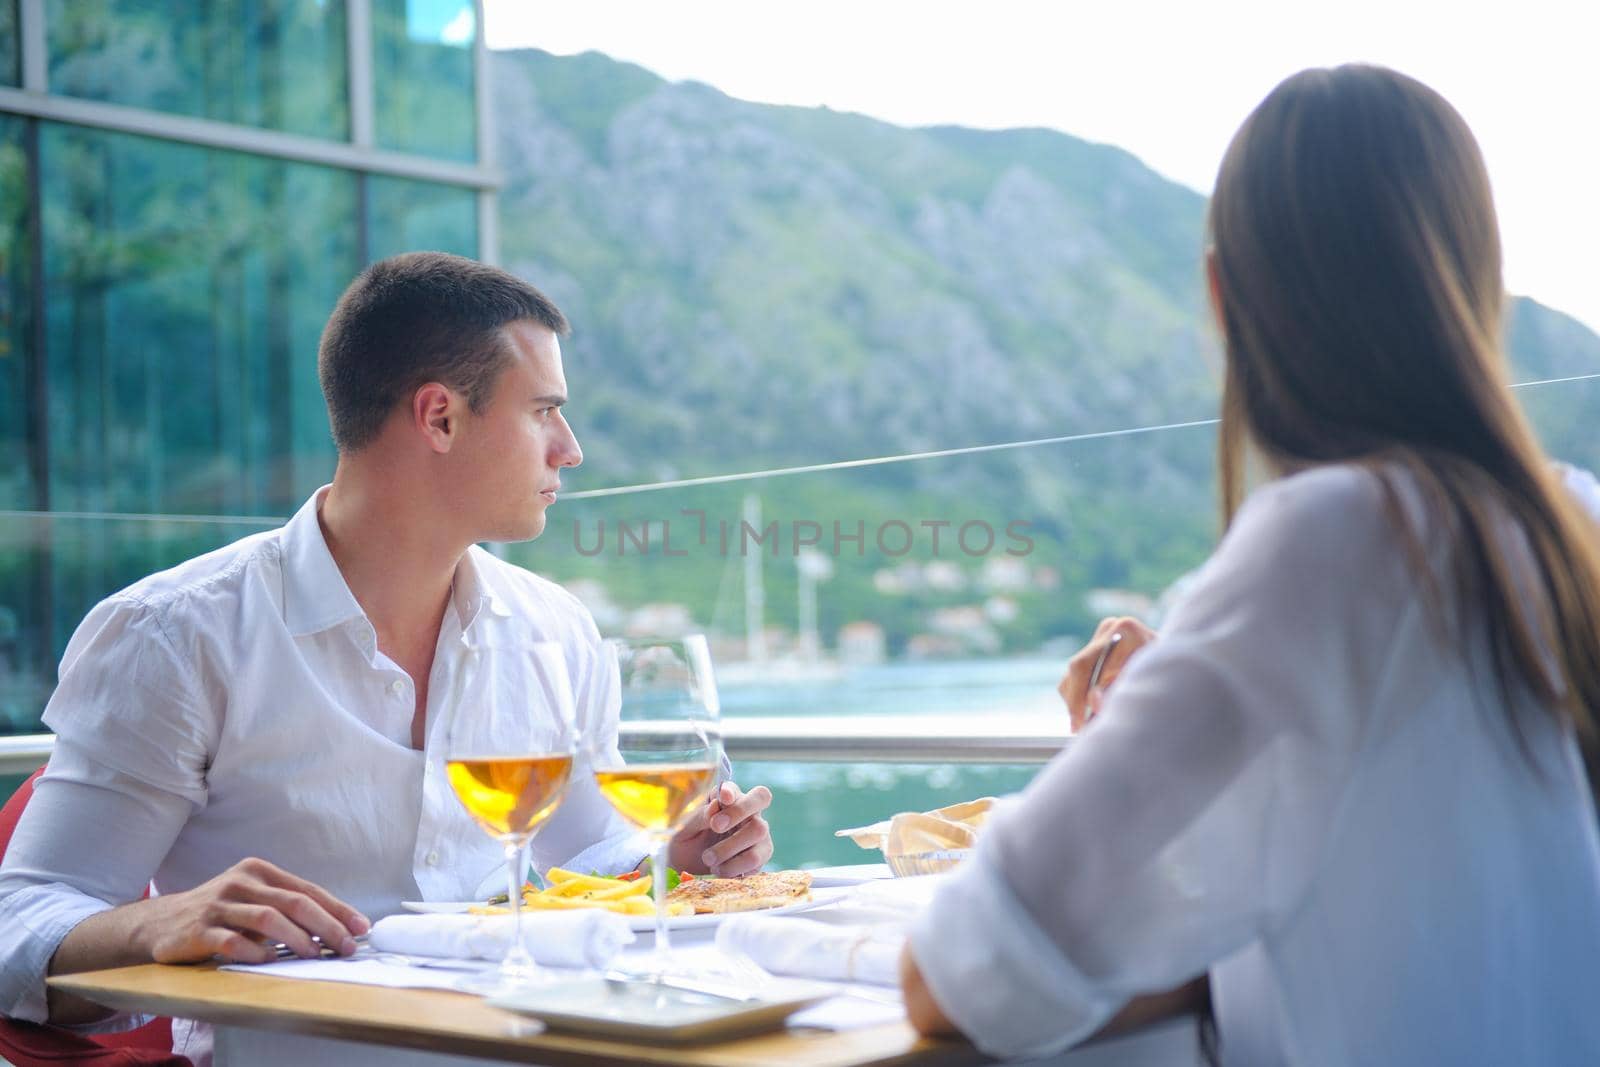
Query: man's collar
[(315, 595), (474, 590)]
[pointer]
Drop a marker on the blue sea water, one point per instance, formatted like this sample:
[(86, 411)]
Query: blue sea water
[(913, 687), (812, 800)]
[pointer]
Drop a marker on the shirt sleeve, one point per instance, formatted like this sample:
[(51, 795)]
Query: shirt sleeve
[(1583, 486), (126, 773), (1190, 813)]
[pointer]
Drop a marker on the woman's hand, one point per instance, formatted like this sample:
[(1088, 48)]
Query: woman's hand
[(922, 1011), (1114, 641)]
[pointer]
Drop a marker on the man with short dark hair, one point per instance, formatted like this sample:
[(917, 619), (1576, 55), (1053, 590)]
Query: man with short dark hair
[(257, 731), (416, 318)]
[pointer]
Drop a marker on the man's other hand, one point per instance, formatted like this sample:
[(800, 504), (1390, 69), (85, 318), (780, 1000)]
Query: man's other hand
[(727, 837)]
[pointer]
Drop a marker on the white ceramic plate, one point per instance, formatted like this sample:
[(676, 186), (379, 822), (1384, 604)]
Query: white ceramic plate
[(849, 874), (646, 923), (652, 1013)]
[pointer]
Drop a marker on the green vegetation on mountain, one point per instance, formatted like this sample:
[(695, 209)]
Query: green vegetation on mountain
[(756, 286)]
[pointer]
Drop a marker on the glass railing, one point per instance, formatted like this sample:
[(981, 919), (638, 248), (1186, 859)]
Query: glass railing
[(810, 801), (862, 617)]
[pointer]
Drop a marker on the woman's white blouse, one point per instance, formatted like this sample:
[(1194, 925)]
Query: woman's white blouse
[(1300, 789), (1583, 486)]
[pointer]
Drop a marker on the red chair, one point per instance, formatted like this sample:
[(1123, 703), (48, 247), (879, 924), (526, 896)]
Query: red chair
[(31, 1045)]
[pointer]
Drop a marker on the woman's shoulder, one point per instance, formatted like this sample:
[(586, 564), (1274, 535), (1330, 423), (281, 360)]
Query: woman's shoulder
[(1382, 500), (1327, 509), (1355, 485), (1329, 539), (1314, 572)]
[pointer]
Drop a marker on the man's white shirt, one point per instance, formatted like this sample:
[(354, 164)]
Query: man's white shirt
[(238, 705)]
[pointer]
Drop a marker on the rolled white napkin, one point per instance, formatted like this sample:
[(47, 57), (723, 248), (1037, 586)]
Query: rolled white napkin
[(806, 948), (557, 939)]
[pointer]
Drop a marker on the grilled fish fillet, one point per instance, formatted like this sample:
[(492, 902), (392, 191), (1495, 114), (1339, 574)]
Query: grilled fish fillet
[(753, 892)]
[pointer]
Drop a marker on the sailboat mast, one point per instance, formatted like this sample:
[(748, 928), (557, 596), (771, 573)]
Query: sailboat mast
[(755, 594), (806, 572)]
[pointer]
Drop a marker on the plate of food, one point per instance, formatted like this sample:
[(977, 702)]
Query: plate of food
[(691, 901)]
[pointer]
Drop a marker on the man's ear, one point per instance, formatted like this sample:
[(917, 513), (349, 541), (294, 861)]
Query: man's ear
[(435, 415)]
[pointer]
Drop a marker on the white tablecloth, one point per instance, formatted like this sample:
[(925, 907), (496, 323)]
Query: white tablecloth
[(1173, 1044)]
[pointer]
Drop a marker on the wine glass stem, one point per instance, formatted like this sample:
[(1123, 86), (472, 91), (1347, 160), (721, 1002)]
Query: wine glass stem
[(658, 886), (517, 958)]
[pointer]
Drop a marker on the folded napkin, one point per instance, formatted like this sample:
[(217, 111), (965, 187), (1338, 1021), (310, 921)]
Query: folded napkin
[(575, 938), (805, 948), (898, 899), (953, 826)]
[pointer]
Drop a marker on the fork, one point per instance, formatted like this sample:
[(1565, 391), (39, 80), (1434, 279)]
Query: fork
[(284, 952)]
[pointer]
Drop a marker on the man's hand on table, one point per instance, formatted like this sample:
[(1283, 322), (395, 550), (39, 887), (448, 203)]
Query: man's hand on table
[(238, 916), (727, 837), (242, 913)]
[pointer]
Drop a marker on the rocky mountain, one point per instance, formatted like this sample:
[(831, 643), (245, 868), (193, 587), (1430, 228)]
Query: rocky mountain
[(757, 286), (836, 286)]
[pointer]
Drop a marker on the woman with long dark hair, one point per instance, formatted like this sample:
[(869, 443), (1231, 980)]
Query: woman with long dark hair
[(1352, 780)]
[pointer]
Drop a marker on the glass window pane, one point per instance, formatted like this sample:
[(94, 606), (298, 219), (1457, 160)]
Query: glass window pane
[(186, 291), (422, 69), (411, 216), (86, 559), (23, 647), (16, 304), (10, 52), (281, 66)]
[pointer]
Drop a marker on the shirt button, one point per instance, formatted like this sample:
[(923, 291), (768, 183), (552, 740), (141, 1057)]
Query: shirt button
[(432, 858), (397, 687)]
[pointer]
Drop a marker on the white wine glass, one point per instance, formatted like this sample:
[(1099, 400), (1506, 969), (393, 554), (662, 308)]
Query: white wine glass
[(667, 755), (510, 771)]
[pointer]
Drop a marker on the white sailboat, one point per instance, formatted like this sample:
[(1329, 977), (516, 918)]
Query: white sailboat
[(807, 662)]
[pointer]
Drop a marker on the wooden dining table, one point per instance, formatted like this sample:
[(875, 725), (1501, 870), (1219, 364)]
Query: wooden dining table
[(289, 1016), (263, 1018), (465, 1026)]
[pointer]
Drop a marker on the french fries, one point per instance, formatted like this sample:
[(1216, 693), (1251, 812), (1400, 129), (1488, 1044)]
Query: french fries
[(569, 890)]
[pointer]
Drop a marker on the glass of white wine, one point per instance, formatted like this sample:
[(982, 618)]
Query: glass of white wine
[(510, 771), (667, 755)]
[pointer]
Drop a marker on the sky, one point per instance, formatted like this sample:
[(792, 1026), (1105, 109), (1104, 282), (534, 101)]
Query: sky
[(1168, 81)]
